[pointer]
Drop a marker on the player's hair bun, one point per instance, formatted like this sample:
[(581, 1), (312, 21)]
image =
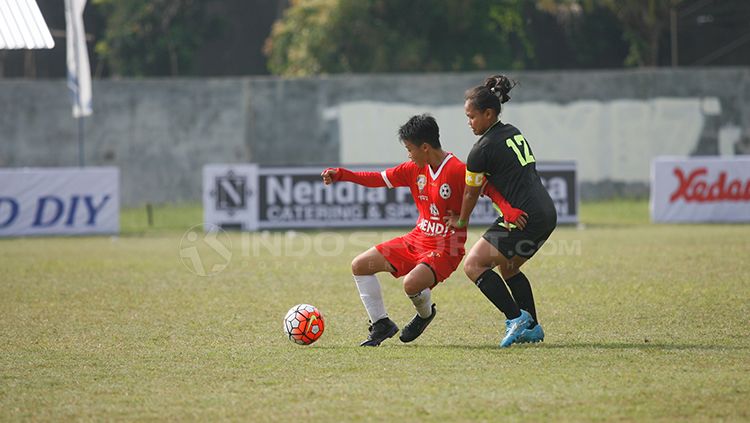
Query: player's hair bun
[(500, 85)]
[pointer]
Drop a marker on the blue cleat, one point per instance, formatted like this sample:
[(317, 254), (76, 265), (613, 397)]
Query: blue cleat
[(530, 336), (514, 328)]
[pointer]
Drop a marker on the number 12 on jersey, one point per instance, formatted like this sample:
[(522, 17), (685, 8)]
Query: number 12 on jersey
[(516, 143)]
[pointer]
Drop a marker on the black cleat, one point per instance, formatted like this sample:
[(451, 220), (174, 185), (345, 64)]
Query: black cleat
[(413, 329), (379, 332)]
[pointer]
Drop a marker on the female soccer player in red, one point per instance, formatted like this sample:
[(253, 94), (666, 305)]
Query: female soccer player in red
[(431, 251), (504, 158)]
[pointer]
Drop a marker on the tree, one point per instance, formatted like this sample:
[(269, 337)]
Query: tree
[(645, 21), (153, 37), (573, 35), (297, 39), (333, 36)]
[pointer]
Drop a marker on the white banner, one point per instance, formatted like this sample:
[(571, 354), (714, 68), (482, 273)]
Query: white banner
[(230, 197), (700, 189), (248, 197), (79, 71), (59, 201)]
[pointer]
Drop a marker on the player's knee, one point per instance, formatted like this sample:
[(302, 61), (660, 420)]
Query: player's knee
[(473, 268), (360, 265), (411, 285)]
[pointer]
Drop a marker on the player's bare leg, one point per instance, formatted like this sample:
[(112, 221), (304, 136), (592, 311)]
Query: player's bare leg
[(419, 279), (364, 268), (482, 257), (370, 262), (417, 285)]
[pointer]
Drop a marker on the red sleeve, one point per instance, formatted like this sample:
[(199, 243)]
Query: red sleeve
[(402, 175), (510, 213), (459, 178), (368, 179)]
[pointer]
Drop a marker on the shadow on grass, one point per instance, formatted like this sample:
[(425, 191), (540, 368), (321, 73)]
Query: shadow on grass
[(643, 346), (609, 225), (651, 346)]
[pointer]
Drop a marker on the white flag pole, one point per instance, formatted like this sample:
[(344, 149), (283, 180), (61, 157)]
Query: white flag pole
[(79, 71)]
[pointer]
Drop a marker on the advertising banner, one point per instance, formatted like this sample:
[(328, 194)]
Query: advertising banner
[(700, 189), (230, 196), (561, 181), (296, 197), (249, 197), (59, 201)]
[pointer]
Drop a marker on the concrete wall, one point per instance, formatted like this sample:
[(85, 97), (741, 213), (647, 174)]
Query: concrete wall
[(161, 132)]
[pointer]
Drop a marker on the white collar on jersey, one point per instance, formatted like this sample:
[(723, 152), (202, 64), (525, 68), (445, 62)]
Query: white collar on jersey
[(434, 175)]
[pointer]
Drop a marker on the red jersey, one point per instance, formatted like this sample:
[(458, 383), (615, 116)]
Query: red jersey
[(435, 193)]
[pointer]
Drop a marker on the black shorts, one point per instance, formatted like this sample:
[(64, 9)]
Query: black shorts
[(524, 243)]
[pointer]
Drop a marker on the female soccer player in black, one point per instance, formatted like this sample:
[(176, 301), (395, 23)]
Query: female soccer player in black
[(503, 158)]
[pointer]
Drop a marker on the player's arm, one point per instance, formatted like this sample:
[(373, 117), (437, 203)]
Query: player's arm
[(510, 213), (368, 179), (472, 191), (476, 164)]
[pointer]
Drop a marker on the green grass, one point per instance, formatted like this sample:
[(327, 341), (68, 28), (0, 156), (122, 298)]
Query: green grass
[(165, 218), (643, 322), (615, 213)]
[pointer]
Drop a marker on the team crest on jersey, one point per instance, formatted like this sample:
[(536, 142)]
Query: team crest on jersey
[(421, 182), (445, 191)]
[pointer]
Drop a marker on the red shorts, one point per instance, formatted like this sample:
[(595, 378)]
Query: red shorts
[(406, 252)]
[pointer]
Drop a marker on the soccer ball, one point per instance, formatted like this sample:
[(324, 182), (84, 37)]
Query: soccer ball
[(303, 324)]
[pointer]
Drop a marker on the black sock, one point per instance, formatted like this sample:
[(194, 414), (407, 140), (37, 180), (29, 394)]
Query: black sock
[(521, 288), (493, 287)]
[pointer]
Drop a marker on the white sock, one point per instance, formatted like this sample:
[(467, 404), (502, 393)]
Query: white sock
[(423, 302), (372, 297)]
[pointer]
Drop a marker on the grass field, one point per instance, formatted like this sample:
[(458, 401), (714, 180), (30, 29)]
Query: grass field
[(643, 322)]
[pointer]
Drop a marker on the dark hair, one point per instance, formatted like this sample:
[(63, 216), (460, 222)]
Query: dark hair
[(420, 129), (492, 94)]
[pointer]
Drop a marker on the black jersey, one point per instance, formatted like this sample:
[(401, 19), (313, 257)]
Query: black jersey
[(506, 160)]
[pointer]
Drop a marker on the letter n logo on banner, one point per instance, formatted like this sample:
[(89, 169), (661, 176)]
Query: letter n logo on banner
[(231, 192)]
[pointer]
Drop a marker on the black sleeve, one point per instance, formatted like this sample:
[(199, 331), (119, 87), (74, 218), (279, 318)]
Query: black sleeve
[(477, 161)]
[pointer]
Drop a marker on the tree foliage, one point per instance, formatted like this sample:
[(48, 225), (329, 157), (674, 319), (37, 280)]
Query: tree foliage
[(644, 22), (332, 36), (573, 35), (152, 37)]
